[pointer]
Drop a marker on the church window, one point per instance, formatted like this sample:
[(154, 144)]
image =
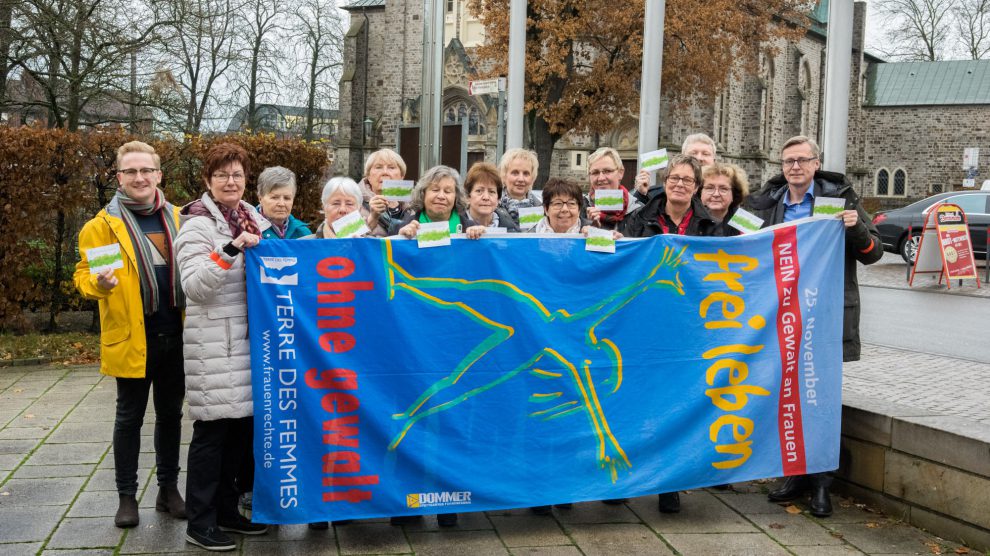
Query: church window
[(900, 177), (883, 182)]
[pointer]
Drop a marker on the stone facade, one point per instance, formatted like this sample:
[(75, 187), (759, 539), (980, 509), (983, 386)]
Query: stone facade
[(749, 120)]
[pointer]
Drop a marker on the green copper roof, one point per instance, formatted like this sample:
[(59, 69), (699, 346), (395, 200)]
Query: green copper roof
[(928, 83)]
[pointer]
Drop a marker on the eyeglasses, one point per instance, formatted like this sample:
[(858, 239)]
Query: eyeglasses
[(674, 180), (557, 205), (132, 172), (711, 190), (596, 173), (802, 162), (224, 176)]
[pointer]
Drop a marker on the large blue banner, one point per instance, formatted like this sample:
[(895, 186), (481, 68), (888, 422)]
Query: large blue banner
[(521, 371)]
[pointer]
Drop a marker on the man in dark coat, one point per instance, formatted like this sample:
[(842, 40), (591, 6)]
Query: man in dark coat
[(789, 196)]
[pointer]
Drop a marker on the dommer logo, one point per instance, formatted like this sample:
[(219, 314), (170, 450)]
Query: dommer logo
[(434, 499), (276, 266)]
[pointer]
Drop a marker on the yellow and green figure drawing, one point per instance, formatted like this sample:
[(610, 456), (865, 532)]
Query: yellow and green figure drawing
[(554, 344)]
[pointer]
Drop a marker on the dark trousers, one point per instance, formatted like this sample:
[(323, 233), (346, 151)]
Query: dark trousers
[(215, 455), (163, 375)]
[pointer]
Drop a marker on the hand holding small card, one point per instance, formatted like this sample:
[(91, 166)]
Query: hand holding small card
[(602, 241), (828, 207), (653, 160), (608, 199), (398, 190), (745, 221), (529, 217)]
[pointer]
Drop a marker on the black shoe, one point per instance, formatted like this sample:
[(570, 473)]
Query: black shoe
[(821, 502), (342, 522), (793, 487), (127, 512), (210, 539), (242, 526), (669, 502), (615, 501), (722, 487), (319, 526), (446, 520), (540, 510), (564, 506), (404, 519)]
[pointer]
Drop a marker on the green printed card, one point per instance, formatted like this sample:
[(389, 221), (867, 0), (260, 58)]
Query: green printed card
[(828, 207), (600, 240), (433, 234), (102, 258), (397, 190), (350, 225), (653, 160), (608, 199), (745, 221), (530, 216)]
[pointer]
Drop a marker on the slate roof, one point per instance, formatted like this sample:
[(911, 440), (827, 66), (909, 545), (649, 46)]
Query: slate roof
[(946, 82)]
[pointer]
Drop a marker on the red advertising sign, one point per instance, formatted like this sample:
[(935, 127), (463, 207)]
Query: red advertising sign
[(953, 239)]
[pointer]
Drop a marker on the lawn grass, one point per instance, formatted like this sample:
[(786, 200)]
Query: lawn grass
[(75, 348)]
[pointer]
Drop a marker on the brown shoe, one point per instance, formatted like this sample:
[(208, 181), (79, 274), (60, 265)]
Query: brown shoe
[(127, 512), (169, 500)]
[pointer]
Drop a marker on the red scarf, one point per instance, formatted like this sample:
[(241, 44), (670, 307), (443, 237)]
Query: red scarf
[(238, 220), (682, 227)]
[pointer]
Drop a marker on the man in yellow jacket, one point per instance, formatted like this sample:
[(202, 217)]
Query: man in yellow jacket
[(127, 263)]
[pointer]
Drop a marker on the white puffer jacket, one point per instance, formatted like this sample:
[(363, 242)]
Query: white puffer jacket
[(215, 339)]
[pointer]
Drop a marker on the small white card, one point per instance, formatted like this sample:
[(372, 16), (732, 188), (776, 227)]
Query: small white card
[(653, 160), (350, 225), (745, 221), (530, 216), (599, 240), (828, 207), (102, 258), (608, 199), (398, 190), (433, 234), (496, 230)]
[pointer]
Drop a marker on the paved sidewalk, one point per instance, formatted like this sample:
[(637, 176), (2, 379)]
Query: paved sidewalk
[(57, 497), (891, 272)]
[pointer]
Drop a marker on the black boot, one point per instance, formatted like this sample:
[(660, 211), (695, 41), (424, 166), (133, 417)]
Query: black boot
[(169, 500), (821, 502), (669, 502), (793, 487), (127, 512), (446, 520)]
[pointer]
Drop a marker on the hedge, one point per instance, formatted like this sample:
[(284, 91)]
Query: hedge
[(52, 181)]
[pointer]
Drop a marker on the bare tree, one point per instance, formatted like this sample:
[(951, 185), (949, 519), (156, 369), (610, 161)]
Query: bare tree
[(200, 48), (917, 30), (6, 36), (320, 46), (261, 55), (973, 27)]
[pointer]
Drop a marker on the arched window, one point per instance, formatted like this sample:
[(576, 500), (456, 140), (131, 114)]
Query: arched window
[(900, 183), (766, 99), (461, 112), (450, 116), (883, 182)]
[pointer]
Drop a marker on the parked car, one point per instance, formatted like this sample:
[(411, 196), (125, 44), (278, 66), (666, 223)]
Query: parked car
[(893, 224)]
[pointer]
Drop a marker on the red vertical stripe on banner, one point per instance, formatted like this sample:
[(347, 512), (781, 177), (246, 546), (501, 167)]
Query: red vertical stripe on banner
[(787, 270)]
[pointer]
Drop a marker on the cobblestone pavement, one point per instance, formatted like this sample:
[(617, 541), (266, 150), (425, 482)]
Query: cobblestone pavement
[(940, 385), (57, 497)]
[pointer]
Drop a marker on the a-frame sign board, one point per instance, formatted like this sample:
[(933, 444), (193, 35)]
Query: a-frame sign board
[(945, 246)]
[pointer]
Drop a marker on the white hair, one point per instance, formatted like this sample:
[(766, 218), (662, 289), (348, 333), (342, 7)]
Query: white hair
[(341, 183)]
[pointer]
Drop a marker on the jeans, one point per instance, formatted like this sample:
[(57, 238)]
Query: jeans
[(164, 376), (215, 455)]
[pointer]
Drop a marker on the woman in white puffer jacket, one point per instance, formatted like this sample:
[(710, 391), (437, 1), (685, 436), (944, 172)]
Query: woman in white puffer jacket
[(209, 249)]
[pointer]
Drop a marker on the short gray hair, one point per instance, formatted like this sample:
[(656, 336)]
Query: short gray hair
[(432, 176), (698, 138), (384, 155), (341, 183), (275, 177), (802, 140)]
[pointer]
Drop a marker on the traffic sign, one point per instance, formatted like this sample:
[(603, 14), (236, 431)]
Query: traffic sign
[(486, 86), (971, 158)]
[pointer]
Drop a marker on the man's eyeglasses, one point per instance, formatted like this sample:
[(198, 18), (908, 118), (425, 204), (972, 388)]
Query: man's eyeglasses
[(224, 176), (596, 173), (131, 172), (802, 162), (674, 180)]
